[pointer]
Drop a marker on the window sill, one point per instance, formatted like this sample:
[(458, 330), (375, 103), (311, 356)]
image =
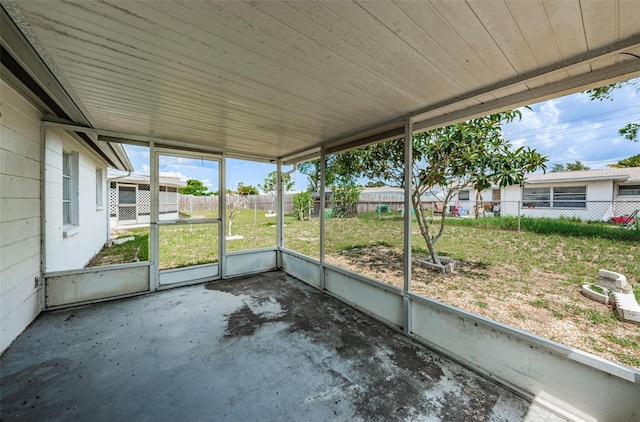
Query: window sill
[(68, 231)]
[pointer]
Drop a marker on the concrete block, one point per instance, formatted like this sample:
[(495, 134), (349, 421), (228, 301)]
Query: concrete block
[(613, 281), (593, 295), (627, 307), (447, 265)]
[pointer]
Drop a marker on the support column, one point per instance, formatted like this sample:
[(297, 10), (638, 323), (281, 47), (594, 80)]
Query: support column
[(154, 229), (323, 171), (279, 215), (222, 214), (408, 181)]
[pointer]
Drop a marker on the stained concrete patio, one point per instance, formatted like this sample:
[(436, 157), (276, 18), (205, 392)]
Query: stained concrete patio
[(265, 347)]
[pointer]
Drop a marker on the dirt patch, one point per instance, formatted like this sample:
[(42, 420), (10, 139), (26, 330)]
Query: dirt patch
[(532, 299)]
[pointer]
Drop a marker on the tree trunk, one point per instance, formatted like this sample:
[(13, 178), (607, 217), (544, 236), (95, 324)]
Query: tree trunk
[(424, 226), (230, 224)]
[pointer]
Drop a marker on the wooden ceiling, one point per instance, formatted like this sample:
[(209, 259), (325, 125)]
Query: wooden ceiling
[(277, 79)]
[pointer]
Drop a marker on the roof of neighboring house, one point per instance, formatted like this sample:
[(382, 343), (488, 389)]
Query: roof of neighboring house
[(630, 174), (144, 179), (394, 191)]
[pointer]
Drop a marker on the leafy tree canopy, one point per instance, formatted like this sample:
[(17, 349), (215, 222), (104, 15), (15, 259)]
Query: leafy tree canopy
[(569, 167), (247, 189), (633, 161), (632, 130), (471, 153), (375, 184), (196, 188), (270, 184), (340, 169)]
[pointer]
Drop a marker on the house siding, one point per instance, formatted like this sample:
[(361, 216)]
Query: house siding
[(20, 213), (598, 206), (74, 251)]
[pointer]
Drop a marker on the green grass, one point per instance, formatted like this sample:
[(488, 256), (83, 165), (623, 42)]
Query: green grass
[(477, 241), (540, 303)]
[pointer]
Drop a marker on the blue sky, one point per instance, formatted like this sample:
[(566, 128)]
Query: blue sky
[(564, 129)]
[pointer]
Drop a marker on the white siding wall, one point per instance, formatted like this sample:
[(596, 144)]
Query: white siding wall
[(19, 213), (601, 191), (75, 250)]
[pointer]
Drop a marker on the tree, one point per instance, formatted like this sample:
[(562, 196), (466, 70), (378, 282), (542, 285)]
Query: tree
[(375, 184), (632, 130), (247, 189), (196, 188), (270, 184), (569, 167), (235, 203), (302, 203), (633, 161), (345, 196), (471, 153), (339, 168)]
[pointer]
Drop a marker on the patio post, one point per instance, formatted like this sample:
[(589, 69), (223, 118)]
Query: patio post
[(408, 181), (222, 214), (154, 234), (279, 213), (323, 170)]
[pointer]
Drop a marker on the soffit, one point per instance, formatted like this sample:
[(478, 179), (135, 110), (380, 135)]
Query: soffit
[(278, 79)]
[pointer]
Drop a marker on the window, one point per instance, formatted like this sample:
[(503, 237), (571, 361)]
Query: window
[(629, 190), (99, 190), (570, 197), (463, 195), (70, 192), (556, 197), (536, 197), (66, 189)]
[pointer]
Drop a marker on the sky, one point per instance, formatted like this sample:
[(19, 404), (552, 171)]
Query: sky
[(564, 129)]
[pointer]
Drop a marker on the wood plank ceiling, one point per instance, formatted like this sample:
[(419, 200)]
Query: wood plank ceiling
[(273, 79)]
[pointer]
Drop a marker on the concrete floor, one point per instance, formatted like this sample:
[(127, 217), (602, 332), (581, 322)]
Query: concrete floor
[(265, 347)]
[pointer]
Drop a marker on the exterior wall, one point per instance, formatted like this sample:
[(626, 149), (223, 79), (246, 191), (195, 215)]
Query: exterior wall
[(70, 248), (598, 207), (20, 215), (626, 204)]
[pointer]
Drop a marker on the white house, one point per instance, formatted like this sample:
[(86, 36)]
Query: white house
[(130, 198), (76, 209), (466, 201), (67, 214), (595, 195)]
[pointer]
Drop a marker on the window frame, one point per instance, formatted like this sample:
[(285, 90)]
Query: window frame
[(550, 198), (99, 189), (70, 193), (67, 188), (632, 188), (468, 195), (536, 200), (569, 202)]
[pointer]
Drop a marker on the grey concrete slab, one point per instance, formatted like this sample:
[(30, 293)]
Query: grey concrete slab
[(265, 347)]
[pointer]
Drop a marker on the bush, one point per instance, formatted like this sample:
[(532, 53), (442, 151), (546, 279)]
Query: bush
[(345, 197), (302, 203)]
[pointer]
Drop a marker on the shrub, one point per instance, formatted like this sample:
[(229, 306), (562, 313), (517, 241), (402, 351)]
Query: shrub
[(302, 203)]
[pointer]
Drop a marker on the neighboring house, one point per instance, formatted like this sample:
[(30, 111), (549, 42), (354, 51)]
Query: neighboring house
[(595, 195), (466, 201), (130, 199)]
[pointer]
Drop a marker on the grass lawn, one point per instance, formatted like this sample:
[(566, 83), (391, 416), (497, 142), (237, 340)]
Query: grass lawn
[(524, 279)]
